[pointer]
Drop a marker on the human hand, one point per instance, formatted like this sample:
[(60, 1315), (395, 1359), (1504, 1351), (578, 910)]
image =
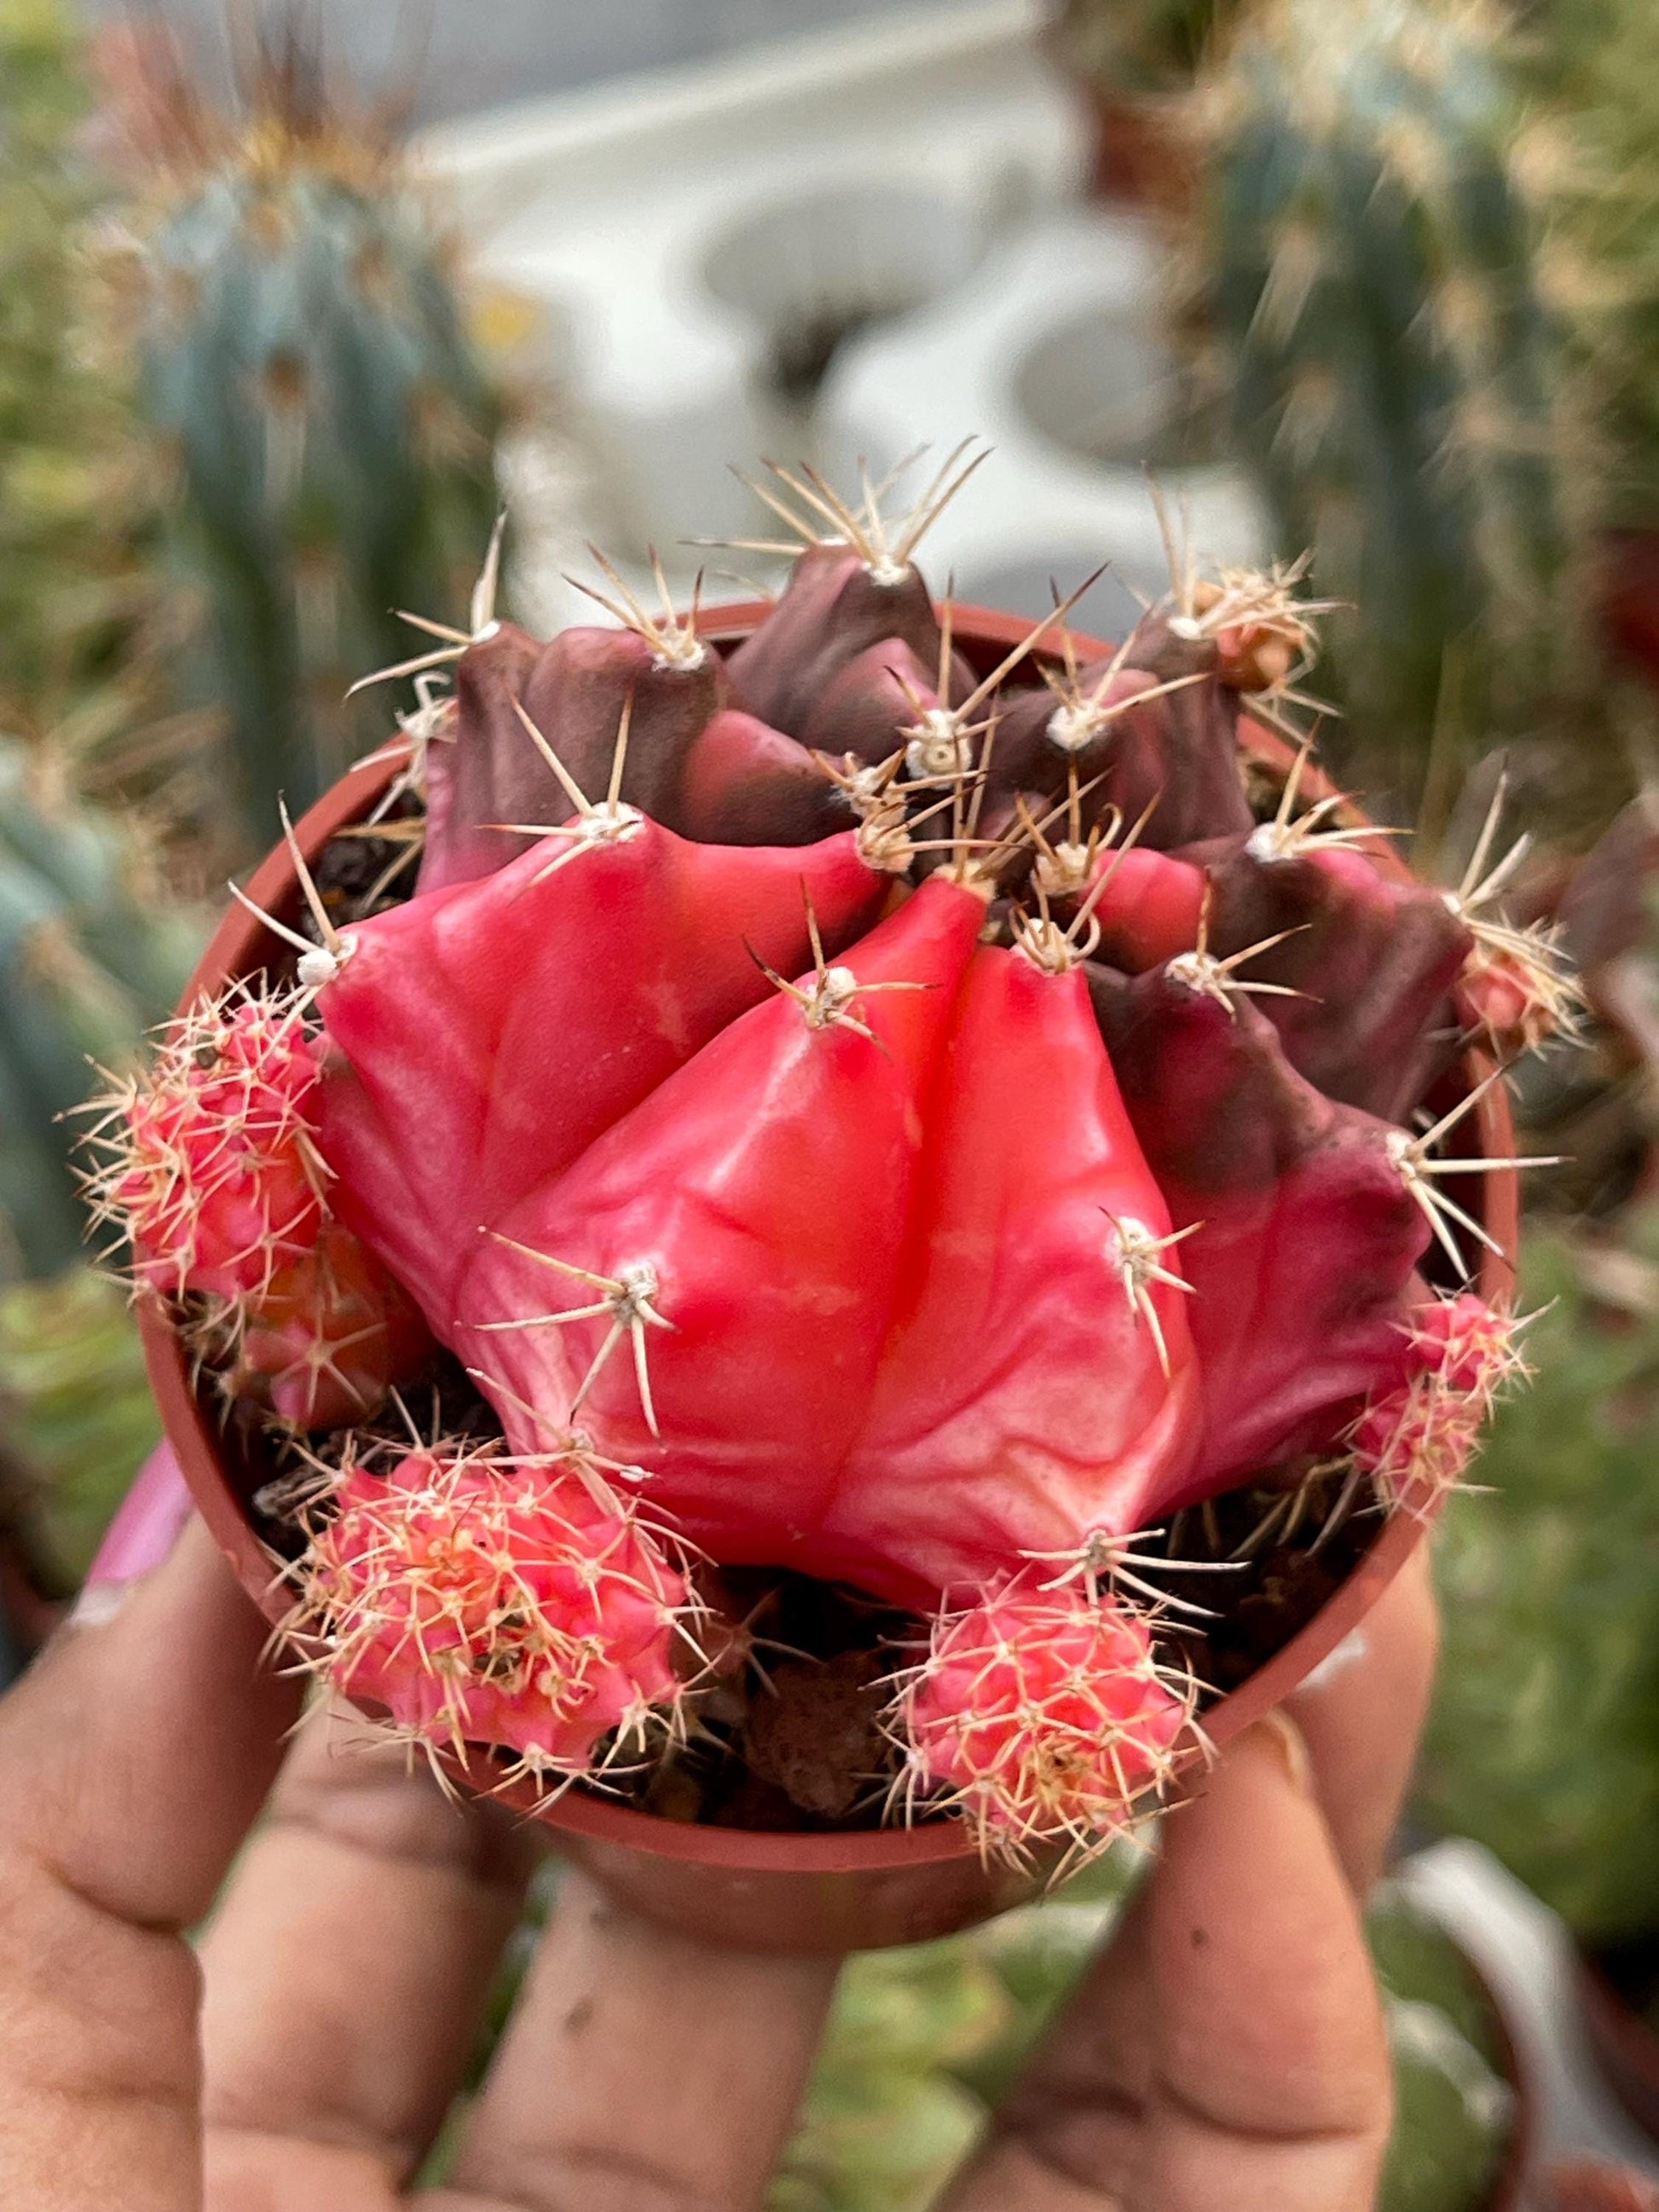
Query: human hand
[(1227, 2048)]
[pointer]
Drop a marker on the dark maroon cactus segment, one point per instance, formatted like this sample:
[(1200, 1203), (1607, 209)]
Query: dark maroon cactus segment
[(576, 691), (1309, 1236), (483, 770), (744, 783), (1376, 959), (834, 609), (869, 702)]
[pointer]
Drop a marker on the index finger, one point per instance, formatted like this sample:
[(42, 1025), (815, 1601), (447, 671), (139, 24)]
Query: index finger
[(132, 1759)]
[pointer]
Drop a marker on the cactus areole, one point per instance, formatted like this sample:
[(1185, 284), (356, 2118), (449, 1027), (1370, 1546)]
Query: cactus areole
[(860, 1165)]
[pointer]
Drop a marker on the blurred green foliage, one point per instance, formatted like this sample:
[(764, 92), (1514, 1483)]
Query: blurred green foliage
[(1544, 1740), (76, 1405), (922, 2043), (1364, 288)]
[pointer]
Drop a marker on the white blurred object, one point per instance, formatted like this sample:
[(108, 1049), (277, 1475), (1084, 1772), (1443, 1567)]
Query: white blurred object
[(1053, 351), (1526, 1954), (684, 227)]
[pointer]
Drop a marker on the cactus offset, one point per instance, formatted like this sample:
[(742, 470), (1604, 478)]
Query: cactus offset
[(832, 1184), (521, 1603)]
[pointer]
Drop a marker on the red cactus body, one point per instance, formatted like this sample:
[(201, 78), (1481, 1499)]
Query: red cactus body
[(767, 1126), (480, 1600)]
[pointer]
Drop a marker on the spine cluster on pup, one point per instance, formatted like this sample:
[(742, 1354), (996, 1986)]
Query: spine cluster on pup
[(922, 1122), (480, 1599)]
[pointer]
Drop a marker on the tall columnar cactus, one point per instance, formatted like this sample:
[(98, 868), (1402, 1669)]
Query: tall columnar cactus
[(91, 955), (762, 1133), (306, 357), (1364, 264)]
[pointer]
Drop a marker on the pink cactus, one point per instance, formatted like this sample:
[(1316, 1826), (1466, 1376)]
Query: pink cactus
[(1416, 1441), (521, 1603), (211, 1166), (209, 1163), (1042, 1716), (746, 1099)]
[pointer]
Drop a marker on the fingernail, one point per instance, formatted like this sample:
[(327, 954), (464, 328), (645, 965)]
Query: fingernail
[(1277, 1730), (148, 1523)]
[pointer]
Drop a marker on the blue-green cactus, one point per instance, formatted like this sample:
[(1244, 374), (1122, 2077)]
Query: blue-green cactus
[(91, 955), (306, 359), (1364, 265)]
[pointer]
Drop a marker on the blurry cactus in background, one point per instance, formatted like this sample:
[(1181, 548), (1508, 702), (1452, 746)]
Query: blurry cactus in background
[(91, 955), (1362, 272), (922, 2043), (306, 364), (1594, 60), (78, 1416), (81, 619)]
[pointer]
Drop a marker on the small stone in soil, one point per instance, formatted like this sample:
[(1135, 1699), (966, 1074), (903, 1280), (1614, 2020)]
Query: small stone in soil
[(818, 1734)]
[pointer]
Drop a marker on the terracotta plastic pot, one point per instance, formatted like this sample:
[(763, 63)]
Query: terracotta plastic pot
[(1625, 2047), (751, 1890)]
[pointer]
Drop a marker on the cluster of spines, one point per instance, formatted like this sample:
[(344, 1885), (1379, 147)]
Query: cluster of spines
[(207, 1168), (207, 1161), (1043, 1718), (1415, 1442)]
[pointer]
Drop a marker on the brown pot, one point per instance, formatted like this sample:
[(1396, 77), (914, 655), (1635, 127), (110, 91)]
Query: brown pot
[(1141, 151), (757, 1891), (1624, 2047)]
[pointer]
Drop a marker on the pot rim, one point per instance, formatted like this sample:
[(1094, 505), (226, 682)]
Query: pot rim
[(231, 952)]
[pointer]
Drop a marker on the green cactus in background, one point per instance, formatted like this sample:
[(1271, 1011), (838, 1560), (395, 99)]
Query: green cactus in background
[(77, 1411), (306, 362), (91, 955), (1544, 1740), (1593, 59), (1362, 268)]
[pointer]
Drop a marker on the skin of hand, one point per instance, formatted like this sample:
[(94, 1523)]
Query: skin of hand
[(1226, 2049)]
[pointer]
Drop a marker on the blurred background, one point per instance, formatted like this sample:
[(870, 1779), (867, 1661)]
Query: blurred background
[(294, 300)]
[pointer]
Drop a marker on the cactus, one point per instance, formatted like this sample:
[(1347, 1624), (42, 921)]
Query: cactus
[(1364, 264), (922, 2044), (826, 1180), (1152, 46), (306, 362), (91, 953), (521, 1603)]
